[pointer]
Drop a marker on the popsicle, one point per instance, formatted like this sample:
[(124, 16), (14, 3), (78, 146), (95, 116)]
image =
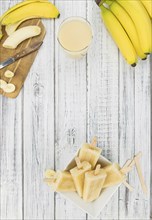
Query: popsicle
[(114, 176), (93, 183), (61, 181), (90, 153), (78, 174)]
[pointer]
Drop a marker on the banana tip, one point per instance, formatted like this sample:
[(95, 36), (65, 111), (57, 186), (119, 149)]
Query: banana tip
[(133, 65), (98, 2)]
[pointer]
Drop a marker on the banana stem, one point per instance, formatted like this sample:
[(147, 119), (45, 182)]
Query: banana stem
[(100, 2)]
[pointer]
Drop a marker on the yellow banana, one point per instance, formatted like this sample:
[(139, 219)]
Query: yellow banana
[(142, 22), (129, 27), (17, 6), (14, 8), (11, 28), (34, 9), (148, 5), (119, 36)]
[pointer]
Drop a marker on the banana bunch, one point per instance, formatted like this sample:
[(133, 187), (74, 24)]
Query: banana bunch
[(130, 25), (25, 10)]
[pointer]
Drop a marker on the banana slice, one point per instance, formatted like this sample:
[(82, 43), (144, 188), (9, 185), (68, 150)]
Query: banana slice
[(2, 84), (8, 74), (9, 88)]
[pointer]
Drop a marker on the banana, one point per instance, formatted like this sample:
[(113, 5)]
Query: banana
[(2, 84), (119, 35), (11, 28), (21, 4), (20, 35), (9, 88), (129, 27), (142, 22), (21, 12), (41, 9), (8, 74), (148, 5)]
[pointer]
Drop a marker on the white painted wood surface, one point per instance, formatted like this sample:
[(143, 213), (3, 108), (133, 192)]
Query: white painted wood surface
[(65, 102)]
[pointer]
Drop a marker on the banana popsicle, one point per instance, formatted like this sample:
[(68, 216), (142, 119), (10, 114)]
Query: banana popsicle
[(90, 153), (78, 174), (114, 176), (93, 183), (60, 181)]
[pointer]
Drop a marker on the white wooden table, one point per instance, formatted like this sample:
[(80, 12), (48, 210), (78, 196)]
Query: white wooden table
[(64, 103)]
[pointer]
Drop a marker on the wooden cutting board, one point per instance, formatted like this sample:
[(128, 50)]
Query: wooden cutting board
[(21, 67)]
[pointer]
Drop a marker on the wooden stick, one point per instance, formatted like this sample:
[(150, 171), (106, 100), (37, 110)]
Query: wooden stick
[(127, 167), (96, 172), (139, 171), (78, 162), (127, 163), (128, 185), (126, 170), (133, 161), (94, 142)]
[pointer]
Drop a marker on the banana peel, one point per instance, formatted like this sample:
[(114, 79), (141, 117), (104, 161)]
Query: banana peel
[(39, 9), (11, 28)]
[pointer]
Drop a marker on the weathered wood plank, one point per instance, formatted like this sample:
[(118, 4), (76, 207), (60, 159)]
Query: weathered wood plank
[(11, 152), (126, 134), (70, 102), (134, 124), (11, 158), (39, 131), (142, 134), (103, 96), (151, 147)]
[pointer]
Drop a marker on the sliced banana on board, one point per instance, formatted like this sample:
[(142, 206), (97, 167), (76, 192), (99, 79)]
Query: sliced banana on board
[(8, 74), (2, 84), (9, 88)]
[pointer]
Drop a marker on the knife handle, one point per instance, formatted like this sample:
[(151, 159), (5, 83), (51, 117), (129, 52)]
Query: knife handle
[(20, 54), (27, 51)]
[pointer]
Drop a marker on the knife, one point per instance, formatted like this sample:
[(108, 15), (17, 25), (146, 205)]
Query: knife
[(21, 54)]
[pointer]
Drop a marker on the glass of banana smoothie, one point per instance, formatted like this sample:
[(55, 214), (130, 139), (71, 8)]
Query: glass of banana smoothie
[(75, 36)]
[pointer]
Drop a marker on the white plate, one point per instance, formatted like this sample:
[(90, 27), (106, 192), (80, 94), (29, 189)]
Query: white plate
[(91, 208)]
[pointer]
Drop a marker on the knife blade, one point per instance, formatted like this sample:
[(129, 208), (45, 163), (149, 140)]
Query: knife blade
[(21, 54)]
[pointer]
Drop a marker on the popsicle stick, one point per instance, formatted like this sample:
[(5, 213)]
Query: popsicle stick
[(133, 161), (127, 163), (78, 162), (96, 172), (94, 142), (139, 171), (126, 170), (128, 185)]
